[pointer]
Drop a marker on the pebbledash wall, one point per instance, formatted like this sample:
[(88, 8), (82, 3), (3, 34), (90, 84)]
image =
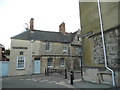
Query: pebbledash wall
[(100, 74)]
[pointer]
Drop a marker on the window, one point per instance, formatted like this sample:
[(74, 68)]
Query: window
[(21, 52), (79, 50), (61, 62), (50, 62), (48, 46), (65, 47), (79, 39), (21, 62)]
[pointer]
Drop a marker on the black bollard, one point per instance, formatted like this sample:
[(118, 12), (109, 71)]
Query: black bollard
[(47, 72), (60, 71), (65, 73), (71, 77)]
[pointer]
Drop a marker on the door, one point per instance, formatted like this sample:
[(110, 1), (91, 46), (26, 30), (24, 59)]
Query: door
[(36, 66), (5, 67)]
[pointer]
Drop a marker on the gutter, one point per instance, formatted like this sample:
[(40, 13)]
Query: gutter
[(104, 48)]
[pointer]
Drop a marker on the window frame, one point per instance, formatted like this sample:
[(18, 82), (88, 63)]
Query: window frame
[(21, 53), (48, 46), (20, 68), (65, 47), (48, 63), (63, 62), (78, 38), (79, 50)]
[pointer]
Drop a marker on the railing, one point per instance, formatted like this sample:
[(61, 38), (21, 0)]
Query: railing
[(49, 71)]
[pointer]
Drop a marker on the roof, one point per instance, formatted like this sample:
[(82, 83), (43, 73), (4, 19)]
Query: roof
[(45, 36)]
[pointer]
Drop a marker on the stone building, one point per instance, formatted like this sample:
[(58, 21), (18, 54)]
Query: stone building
[(34, 50), (2, 49), (93, 59)]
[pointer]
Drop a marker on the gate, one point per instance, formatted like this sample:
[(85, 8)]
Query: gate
[(50, 71), (4, 66)]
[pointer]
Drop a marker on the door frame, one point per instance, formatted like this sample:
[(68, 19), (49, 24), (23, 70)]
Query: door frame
[(39, 68)]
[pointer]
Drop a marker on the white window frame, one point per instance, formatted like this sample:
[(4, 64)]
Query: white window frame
[(63, 64), (48, 45), (23, 62), (65, 47)]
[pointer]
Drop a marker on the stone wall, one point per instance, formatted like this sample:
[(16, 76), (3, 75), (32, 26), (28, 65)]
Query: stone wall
[(100, 75), (111, 42)]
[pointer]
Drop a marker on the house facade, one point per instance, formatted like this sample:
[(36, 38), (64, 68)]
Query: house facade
[(34, 50), (93, 57)]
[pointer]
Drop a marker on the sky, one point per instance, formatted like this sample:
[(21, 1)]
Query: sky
[(47, 14)]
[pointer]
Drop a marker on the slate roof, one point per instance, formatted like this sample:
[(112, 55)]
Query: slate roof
[(45, 36)]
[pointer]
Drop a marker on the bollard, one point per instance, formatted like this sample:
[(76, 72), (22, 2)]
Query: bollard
[(60, 71), (71, 77), (47, 72), (65, 73)]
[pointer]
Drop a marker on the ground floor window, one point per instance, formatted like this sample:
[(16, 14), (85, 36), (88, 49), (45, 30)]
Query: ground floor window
[(21, 62), (62, 62), (50, 62)]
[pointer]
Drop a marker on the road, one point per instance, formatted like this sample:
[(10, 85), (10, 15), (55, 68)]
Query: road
[(42, 81), (20, 83)]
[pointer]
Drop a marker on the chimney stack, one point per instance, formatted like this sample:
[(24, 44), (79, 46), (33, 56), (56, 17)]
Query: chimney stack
[(32, 24), (62, 28)]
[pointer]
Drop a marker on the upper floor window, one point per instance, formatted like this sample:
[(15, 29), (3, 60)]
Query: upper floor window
[(20, 62), (79, 39), (79, 50), (48, 46), (21, 52), (65, 47)]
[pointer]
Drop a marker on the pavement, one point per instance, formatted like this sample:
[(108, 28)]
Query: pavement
[(60, 80)]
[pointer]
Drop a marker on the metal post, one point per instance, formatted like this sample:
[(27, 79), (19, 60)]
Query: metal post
[(47, 72), (65, 73), (60, 71), (31, 66), (71, 77)]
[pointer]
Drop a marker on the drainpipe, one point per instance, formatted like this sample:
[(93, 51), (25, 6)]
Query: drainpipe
[(103, 42), (31, 66)]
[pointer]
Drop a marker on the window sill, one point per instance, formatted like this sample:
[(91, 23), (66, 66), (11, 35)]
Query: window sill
[(62, 66), (20, 69), (50, 66), (65, 50), (48, 50)]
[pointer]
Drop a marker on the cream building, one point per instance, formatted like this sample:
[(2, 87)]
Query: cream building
[(34, 50)]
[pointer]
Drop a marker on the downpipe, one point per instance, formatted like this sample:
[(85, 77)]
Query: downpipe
[(104, 48)]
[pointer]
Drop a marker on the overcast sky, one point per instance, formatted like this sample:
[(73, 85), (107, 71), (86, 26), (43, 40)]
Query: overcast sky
[(47, 14)]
